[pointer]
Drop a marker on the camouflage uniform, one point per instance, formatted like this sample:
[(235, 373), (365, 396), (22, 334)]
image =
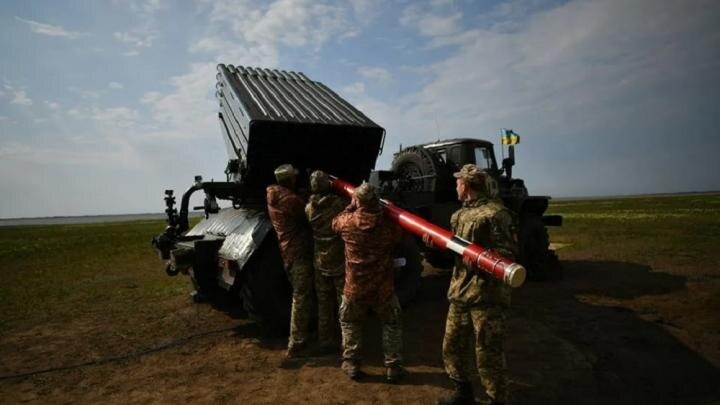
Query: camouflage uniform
[(369, 243), (286, 210), (329, 256), (478, 302)]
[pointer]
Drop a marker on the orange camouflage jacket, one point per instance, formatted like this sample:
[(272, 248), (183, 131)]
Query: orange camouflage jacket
[(370, 239), (287, 214)]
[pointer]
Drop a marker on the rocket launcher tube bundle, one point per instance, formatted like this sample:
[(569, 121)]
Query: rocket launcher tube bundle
[(489, 261)]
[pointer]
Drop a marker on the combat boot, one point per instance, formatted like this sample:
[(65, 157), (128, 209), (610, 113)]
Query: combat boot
[(394, 374), (463, 395), (352, 369)]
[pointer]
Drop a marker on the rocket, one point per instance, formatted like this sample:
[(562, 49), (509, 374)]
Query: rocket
[(486, 260)]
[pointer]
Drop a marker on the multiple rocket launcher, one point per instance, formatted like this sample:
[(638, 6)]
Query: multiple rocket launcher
[(270, 117)]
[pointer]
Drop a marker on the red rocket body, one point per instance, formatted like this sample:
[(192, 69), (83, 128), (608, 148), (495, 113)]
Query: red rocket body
[(486, 260)]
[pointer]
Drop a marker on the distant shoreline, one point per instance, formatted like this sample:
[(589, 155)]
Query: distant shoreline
[(94, 219), (85, 219), (612, 197)]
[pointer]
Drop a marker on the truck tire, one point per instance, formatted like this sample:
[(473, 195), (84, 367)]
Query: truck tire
[(265, 290), (416, 169), (534, 243), (407, 277)]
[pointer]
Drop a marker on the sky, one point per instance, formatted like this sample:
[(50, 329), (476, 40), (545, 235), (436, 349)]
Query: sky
[(104, 105)]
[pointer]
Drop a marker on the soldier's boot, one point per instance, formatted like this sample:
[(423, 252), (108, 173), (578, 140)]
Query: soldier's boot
[(463, 395), (352, 369), (393, 374)]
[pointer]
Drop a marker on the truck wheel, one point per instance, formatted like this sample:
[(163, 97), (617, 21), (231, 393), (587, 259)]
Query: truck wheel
[(534, 244), (407, 277), (415, 168), (265, 290)]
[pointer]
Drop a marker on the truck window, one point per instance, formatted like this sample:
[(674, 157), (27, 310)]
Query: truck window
[(442, 154), (455, 157), (482, 158)]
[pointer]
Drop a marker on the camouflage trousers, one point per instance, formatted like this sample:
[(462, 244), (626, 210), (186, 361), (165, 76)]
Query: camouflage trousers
[(329, 290), (301, 278), (481, 328), (352, 317)]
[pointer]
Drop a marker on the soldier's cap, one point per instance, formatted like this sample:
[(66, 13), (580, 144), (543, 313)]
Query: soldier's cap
[(471, 174), (285, 171), (319, 181), (366, 195)]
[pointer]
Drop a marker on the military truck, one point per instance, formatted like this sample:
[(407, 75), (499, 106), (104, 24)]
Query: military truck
[(271, 117), (421, 181)]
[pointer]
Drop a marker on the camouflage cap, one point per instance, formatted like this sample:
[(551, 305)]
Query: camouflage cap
[(471, 174), (319, 182), (367, 195), (285, 171)]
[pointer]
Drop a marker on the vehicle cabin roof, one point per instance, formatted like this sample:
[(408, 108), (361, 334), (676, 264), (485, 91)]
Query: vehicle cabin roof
[(454, 141)]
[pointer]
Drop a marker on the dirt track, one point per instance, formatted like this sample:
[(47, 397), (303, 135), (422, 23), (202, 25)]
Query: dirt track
[(608, 332)]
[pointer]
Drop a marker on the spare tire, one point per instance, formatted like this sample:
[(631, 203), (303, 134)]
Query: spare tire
[(416, 169)]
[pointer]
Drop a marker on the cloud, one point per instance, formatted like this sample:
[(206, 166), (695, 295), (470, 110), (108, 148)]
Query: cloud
[(253, 33), (137, 39), (86, 94), (431, 23), (115, 85), (375, 73), (580, 72), (243, 33), (150, 97), (3, 118), (88, 155), (141, 35), (355, 89), (53, 105), (21, 98), (121, 117), (50, 30)]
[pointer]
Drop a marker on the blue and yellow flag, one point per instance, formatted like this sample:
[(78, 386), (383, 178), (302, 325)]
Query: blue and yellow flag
[(509, 137)]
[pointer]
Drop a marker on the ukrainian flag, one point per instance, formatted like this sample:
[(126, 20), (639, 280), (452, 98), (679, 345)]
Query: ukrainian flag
[(509, 137)]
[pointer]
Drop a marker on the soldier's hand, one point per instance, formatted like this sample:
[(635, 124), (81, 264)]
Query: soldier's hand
[(427, 240), (468, 262), (353, 205)]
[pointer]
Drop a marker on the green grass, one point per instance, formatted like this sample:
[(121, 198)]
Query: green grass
[(673, 231), (59, 272)]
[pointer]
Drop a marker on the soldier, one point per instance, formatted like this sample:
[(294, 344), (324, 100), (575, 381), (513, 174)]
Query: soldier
[(329, 262), (369, 239), (478, 303), (286, 209)]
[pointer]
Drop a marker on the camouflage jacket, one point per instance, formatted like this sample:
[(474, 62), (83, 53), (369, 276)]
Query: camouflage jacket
[(285, 208), (329, 250), (489, 224), (370, 240)]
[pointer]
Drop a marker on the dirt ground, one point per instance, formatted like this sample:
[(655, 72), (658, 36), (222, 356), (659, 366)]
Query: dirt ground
[(608, 332)]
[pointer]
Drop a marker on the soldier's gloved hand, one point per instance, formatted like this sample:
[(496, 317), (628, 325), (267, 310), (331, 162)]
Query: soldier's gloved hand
[(468, 262), (427, 240)]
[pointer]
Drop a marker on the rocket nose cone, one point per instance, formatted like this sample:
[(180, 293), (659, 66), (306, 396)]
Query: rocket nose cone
[(515, 275)]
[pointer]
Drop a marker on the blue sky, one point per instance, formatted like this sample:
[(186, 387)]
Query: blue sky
[(103, 105)]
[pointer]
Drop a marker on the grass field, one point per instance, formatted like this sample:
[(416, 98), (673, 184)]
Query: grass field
[(72, 293), (670, 230)]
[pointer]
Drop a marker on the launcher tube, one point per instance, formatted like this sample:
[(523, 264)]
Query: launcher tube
[(489, 261)]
